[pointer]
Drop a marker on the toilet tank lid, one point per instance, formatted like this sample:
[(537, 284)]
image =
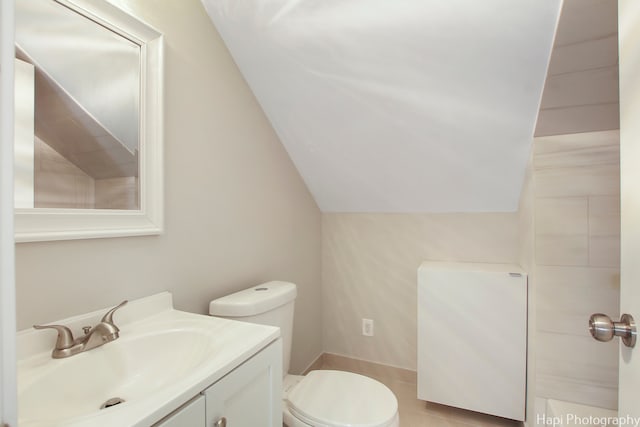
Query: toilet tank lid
[(255, 300)]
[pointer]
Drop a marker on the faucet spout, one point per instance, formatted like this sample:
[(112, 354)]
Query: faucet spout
[(101, 334), (104, 332)]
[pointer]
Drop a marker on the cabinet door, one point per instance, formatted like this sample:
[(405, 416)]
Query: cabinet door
[(251, 394), (189, 415), (472, 338)]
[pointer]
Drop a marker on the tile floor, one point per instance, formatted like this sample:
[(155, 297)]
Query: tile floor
[(413, 412)]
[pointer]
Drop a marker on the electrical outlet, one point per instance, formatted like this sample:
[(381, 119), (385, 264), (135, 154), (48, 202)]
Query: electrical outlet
[(367, 327)]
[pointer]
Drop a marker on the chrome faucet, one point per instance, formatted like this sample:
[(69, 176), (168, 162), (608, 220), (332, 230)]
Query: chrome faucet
[(104, 332)]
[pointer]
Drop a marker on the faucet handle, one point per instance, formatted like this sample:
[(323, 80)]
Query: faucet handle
[(65, 336), (108, 317)]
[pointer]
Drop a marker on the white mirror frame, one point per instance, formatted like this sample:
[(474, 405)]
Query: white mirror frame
[(32, 225)]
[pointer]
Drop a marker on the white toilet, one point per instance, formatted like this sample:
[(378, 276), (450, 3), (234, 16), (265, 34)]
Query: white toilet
[(321, 398)]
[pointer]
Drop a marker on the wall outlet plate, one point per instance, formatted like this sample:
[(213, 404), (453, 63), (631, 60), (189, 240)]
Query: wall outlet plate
[(367, 327)]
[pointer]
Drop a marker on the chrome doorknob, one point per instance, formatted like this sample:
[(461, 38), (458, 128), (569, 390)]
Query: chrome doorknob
[(602, 328)]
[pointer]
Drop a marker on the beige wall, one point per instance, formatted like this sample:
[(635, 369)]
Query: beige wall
[(577, 271), (369, 270), (237, 212)]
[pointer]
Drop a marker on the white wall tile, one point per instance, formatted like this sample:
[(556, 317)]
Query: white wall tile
[(58, 183), (562, 250), (586, 55), (578, 358), (604, 251), (599, 180), (576, 291), (585, 393), (577, 234), (581, 118), (556, 322), (117, 193), (604, 216), (576, 142), (579, 150), (585, 20), (604, 376), (562, 216), (599, 86)]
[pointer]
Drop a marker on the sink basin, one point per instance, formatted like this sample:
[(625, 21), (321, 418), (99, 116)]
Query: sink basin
[(159, 363), (128, 368)]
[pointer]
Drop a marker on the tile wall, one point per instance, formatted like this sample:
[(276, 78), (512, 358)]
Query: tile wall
[(577, 257), (58, 183), (581, 90), (369, 270), (117, 193)]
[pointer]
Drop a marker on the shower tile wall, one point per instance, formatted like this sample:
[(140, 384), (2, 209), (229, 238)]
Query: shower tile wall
[(577, 255), (61, 184), (58, 182)]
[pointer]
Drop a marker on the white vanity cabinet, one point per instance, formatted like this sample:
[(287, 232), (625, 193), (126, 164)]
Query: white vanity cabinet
[(251, 394), (248, 396), (190, 415), (172, 369)]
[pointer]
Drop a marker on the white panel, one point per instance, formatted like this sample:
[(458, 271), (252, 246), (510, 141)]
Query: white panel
[(472, 337), (251, 395), (629, 39), (24, 134), (398, 106), (8, 401), (190, 415)]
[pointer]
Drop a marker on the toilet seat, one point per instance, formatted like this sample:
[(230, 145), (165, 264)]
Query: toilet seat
[(342, 399)]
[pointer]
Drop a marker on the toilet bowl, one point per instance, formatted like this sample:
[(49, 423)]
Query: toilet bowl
[(322, 398), (337, 398)]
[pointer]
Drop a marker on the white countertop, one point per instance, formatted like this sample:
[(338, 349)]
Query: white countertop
[(228, 344)]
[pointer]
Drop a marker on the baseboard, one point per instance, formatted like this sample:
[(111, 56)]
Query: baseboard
[(316, 364), (365, 367)]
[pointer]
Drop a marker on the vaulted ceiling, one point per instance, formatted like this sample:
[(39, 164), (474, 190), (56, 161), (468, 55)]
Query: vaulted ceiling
[(398, 106)]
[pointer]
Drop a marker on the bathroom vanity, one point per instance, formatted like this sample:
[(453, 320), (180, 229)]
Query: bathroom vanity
[(168, 368), (250, 385)]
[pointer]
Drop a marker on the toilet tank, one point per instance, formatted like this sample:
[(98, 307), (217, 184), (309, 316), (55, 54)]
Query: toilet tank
[(270, 303)]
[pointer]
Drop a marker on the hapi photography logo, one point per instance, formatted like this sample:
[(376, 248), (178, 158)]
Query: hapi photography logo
[(570, 420)]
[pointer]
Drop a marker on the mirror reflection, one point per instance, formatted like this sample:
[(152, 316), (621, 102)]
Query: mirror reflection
[(83, 153)]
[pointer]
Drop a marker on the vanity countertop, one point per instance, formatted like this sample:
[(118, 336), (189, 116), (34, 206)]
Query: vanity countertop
[(162, 359)]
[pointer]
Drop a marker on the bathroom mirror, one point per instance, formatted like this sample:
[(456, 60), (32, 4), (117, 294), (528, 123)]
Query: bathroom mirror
[(88, 122)]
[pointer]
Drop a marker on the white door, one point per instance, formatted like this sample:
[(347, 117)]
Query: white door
[(8, 411), (629, 54)]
